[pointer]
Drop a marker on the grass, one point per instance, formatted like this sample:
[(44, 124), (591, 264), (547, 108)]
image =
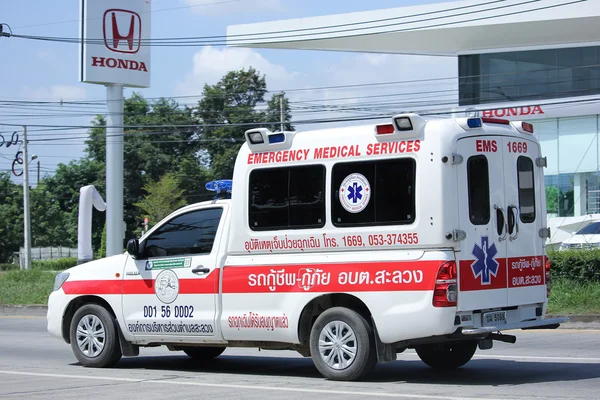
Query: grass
[(34, 287), (568, 297), (26, 287)]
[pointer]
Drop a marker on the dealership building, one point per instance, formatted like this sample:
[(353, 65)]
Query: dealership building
[(533, 60)]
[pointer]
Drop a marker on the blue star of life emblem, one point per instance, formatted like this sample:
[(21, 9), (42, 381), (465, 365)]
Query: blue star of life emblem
[(354, 192), (485, 266)]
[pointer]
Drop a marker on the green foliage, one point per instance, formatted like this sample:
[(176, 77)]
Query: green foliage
[(59, 264), (234, 100), (575, 265), (164, 197), (26, 287), (161, 138), (102, 251), (8, 267), (552, 195), (570, 297)]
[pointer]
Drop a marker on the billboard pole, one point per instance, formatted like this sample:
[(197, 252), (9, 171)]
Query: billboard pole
[(115, 141)]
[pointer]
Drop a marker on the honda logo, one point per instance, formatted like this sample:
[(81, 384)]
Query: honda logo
[(122, 31)]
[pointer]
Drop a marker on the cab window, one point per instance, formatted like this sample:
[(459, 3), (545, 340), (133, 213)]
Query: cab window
[(479, 190), (287, 197), (526, 189), (189, 233), (389, 185)]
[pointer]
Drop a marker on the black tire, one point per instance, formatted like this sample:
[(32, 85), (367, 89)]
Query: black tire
[(204, 353), (447, 356), (110, 354), (365, 354)]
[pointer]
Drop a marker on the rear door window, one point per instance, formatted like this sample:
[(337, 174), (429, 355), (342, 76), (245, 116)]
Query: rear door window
[(479, 190), (526, 190)]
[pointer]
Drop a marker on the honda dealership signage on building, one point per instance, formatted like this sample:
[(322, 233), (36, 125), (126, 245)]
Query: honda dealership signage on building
[(114, 48)]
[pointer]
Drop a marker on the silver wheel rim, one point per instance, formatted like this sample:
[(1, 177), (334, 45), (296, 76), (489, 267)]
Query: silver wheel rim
[(91, 336), (337, 345)]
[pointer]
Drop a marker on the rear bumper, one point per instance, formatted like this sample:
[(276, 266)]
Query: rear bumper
[(550, 323)]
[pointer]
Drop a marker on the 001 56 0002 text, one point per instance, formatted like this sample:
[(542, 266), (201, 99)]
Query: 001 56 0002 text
[(168, 311)]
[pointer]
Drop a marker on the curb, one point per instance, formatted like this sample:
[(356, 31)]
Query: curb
[(23, 309)]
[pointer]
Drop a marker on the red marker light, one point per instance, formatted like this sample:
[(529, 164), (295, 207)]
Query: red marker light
[(385, 129), (527, 127), (495, 121)]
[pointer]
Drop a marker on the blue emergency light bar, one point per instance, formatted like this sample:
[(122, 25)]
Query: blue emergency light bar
[(223, 185), (474, 123)]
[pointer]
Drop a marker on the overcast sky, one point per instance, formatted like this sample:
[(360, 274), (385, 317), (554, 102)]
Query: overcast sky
[(46, 71)]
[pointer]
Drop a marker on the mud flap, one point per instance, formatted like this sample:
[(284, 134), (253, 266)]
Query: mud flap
[(127, 348), (385, 352)]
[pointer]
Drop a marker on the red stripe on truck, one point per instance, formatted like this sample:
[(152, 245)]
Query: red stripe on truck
[(332, 277), (299, 278)]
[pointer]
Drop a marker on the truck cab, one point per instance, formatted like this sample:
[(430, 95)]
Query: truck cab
[(347, 245)]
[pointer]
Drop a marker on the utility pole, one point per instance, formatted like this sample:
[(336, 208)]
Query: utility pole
[(27, 227), (281, 113)]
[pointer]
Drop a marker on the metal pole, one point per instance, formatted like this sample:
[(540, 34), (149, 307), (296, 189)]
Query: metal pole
[(27, 223), (114, 170), (38, 174), (281, 116)]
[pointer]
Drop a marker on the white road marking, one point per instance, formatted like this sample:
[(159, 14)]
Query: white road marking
[(245, 387), (510, 357)]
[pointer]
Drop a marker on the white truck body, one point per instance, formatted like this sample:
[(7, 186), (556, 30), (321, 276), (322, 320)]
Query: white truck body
[(348, 245)]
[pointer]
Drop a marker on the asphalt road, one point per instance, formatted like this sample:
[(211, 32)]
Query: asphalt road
[(560, 364)]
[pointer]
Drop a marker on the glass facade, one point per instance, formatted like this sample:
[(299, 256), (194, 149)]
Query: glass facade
[(528, 75), (572, 177)]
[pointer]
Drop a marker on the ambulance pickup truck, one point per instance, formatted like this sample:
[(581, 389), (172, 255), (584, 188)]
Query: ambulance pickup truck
[(346, 245)]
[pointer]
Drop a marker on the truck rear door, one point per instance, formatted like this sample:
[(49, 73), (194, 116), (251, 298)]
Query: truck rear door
[(482, 261), (524, 183), (501, 260)]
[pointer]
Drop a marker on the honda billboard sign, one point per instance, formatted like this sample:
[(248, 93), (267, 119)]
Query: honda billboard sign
[(114, 46)]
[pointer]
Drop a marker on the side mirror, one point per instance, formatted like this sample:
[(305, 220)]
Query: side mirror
[(133, 248)]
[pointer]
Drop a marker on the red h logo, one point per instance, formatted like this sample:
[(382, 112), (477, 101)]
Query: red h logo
[(122, 21)]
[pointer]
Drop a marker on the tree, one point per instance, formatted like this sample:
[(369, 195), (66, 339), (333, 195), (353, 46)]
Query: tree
[(273, 113), (160, 138), (552, 196), (11, 217), (227, 104), (164, 196)]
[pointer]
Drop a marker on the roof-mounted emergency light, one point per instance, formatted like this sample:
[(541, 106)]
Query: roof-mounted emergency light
[(262, 139), (402, 126), (255, 136), (474, 123), (222, 187), (523, 127)]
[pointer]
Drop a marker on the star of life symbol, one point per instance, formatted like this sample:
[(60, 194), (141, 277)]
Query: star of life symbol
[(166, 286), (355, 193), (485, 266)]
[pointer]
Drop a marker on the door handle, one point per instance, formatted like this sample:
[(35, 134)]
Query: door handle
[(500, 212), (201, 269), (516, 219)]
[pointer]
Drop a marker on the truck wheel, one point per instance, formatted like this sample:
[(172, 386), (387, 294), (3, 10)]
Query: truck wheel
[(204, 353), (342, 345), (447, 356), (94, 338)]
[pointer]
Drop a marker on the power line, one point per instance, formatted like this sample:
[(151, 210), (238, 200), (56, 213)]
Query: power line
[(149, 12), (195, 42)]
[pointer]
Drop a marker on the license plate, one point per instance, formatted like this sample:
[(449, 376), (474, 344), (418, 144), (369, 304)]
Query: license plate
[(494, 318)]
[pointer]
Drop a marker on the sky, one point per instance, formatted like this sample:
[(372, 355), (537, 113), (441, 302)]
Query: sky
[(48, 71)]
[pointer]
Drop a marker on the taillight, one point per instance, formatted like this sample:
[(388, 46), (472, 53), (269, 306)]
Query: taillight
[(445, 293), (548, 277)]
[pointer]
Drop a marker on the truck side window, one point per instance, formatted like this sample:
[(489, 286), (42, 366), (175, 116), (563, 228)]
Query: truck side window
[(479, 190), (189, 233), (526, 189), (287, 197), (391, 187)]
